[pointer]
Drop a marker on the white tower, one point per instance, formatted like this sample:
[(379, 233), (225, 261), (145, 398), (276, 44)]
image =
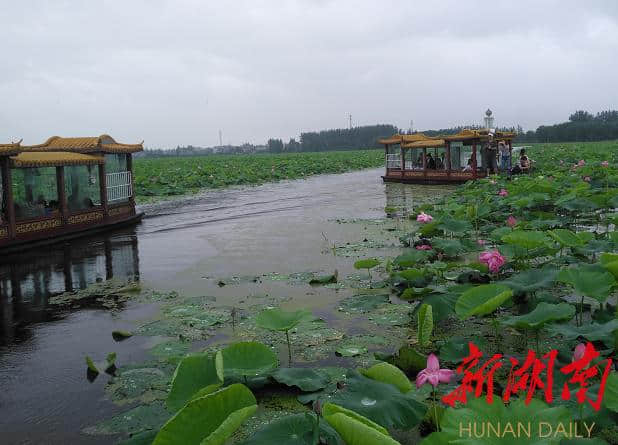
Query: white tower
[(489, 120)]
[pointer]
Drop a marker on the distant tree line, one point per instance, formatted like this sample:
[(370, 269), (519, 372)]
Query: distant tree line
[(582, 126)]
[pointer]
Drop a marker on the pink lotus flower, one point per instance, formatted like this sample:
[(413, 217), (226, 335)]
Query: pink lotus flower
[(579, 352), (423, 247), (587, 178), (511, 221), (491, 181), (493, 259), (574, 167), (424, 217), (503, 192), (481, 242), (433, 374), (581, 163), (604, 164)]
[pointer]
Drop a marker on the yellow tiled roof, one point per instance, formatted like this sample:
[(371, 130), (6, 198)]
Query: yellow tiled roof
[(406, 138), (103, 144), (54, 159), (9, 149), (429, 143)]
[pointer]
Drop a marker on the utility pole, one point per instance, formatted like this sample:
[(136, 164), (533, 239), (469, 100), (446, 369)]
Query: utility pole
[(350, 117), (220, 139)]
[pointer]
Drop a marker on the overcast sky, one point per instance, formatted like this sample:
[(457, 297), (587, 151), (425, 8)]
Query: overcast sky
[(176, 72)]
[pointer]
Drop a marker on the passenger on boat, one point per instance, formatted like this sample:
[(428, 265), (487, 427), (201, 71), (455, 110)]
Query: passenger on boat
[(523, 166), (440, 162), (505, 156), (431, 162), (489, 155), (468, 168)]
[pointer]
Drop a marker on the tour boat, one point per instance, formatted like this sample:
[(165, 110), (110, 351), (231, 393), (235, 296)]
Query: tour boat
[(63, 188), (408, 156)]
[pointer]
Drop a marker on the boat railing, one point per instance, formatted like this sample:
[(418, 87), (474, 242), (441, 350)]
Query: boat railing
[(119, 186), (393, 160)]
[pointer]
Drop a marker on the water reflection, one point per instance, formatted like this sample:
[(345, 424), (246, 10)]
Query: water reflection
[(402, 199), (28, 279)]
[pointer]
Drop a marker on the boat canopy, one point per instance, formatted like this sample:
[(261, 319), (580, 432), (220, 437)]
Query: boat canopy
[(95, 144), (9, 149), (420, 140), (53, 159)]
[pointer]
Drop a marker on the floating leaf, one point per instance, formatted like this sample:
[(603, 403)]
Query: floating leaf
[(542, 314), (325, 279), (456, 349), (305, 379), (194, 373), (351, 351), (590, 280), (528, 239), (248, 359), (111, 359), (368, 263), (387, 373), (482, 300), (455, 225), (354, 428), (411, 258), (450, 247), (121, 335), (425, 324), (292, 430), (91, 366), (565, 237), (610, 262), (610, 398), (381, 402), (210, 419), (363, 303)]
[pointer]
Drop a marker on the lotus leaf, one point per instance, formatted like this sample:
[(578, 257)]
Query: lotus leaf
[(193, 374), (143, 438), (425, 324), (456, 349), (295, 429), (455, 225), (277, 319), (542, 314), (387, 373), (248, 359), (356, 429), (565, 237), (351, 351), (407, 358), (210, 419), (590, 280), (528, 239), (610, 262), (450, 247), (381, 402), (411, 257), (610, 398), (91, 366), (363, 303), (591, 332), (531, 280), (306, 379), (121, 335), (482, 300), (368, 263), (478, 412)]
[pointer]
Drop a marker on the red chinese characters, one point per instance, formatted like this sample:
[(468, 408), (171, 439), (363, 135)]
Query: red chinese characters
[(534, 374)]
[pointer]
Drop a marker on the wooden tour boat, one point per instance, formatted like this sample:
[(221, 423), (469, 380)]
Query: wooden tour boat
[(409, 156), (63, 188)]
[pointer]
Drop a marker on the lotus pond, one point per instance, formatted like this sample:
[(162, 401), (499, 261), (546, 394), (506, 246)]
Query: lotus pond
[(362, 346)]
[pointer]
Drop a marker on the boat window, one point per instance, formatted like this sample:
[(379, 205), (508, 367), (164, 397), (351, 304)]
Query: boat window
[(414, 159), (35, 192), (81, 187), (456, 161), (115, 163), (3, 212)]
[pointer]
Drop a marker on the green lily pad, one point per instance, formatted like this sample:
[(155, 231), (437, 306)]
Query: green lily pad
[(456, 349), (194, 373), (542, 314), (591, 332), (528, 239), (411, 258), (295, 429), (169, 349), (305, 379), (532, 280), (248, 359), (133, 421), (354, 428), (121, 335), (368, 263), (351, 350), (363, 303), (455, 225), (449, 247), (482, 300), (277, 319), (380, 402), (210, 419), (387, 373), (610, 398), (565, 237), (425, 324), (591, 280)]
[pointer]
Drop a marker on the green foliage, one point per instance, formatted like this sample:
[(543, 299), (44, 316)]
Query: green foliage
[(195, 373), (590, 280), (354, 428), (277, 319), (592, 332), (368, 263), (210, 419), (482, 300), (387, 373), (542, 314), (248, 359), (532, 280), (425, 324), (296, 429), (305, 379)]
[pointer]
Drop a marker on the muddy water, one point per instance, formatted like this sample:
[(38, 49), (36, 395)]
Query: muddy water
[(188, 246)]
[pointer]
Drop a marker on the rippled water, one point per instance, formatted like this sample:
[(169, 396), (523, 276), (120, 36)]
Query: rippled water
[(280, 227)]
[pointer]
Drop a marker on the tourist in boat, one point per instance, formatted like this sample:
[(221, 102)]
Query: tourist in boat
[(431, 162), (440, 162), (468, 168), (505, 156), (489, 152), (523, 166)]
